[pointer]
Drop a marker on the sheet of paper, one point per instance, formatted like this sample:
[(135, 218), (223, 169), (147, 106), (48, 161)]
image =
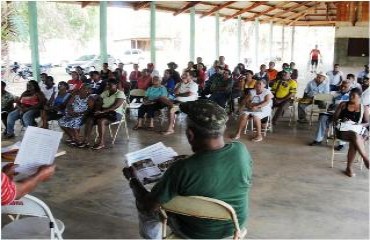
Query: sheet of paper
[(38, 148), (157, 152), (14, 146)]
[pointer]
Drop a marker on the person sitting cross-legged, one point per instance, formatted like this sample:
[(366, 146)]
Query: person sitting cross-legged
[(283, 89), (28, 108), (353, 113), (326, 118), (109, 109), (55, 107), (216, 170), (152, 103), (258, 106)]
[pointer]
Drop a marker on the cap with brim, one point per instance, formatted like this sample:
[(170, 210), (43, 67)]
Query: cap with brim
[(287, 70), (205, 113), (322, 74)]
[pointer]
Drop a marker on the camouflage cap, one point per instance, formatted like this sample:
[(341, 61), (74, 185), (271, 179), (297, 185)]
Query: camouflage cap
[(206, 113)]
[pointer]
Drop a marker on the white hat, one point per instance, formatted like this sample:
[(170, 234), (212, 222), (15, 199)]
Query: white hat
[(321, 73)]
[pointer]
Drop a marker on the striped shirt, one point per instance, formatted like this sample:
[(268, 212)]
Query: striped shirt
[(7, 190)]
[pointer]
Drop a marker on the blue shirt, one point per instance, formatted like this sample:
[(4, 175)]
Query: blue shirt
[(312, 88), (153, 93), (211, 71)]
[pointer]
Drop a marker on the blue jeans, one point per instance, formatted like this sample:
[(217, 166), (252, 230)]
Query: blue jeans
[(27, 118), (324, 121)]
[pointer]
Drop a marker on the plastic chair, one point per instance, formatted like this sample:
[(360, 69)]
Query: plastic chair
[(137, 93), (201, 207), (40, 223), (264, 130), (327, 98), (119, 123)]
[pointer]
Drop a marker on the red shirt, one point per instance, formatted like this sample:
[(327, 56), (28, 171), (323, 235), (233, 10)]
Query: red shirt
[(8, 191), (315, 54), (201, 78), (144, 82), (74, 84), (134, 75)]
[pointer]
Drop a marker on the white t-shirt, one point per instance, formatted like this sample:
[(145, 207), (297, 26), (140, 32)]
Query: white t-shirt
[(155, 73), (187, 87), (48, 92), (258, 98), (365, 97), (334, 79)]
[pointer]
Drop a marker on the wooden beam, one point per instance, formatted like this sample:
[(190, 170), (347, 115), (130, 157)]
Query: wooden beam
[(217, 8), (254, 5), (302, 12), (85, 3), (186, 7), (275, 16), (141, 5), (267, 11)]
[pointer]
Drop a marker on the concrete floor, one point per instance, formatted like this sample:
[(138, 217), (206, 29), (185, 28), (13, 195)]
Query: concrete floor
[(295, 193)]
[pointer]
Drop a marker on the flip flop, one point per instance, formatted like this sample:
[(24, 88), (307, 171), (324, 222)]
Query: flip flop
[(167, 133), (150, 128), (137, 127), (257, 139), (99, 147)]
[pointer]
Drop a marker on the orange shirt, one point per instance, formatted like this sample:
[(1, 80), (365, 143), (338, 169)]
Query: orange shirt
[(272, 74)]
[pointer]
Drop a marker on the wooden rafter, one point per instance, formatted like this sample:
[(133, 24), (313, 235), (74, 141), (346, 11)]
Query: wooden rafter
[(254, 5), (141, 5), (277, 15), (301, 13), (217, 8), (186, 7), (267, 11), (84, 4)]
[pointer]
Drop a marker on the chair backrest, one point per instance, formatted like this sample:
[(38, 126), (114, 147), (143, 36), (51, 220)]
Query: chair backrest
[(32, 206), (202, 207), (137, 93), (326, 97)]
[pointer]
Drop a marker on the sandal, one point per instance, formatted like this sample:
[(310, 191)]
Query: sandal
[(98, 147), (167, 133), (83, 145), (234, 137), (138, 127), (257, 139), (150, 128)]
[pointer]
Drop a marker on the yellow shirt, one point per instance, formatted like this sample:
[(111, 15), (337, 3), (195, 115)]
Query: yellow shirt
[(284, 88), (250, 84)]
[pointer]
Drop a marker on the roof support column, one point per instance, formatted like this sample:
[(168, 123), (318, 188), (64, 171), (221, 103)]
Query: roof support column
[(256, 44), (103, 31), (217, 17), (292, 46), (282, 43), (34, 39), (271, 36), (192, 34), (152, 32), (239, 38)]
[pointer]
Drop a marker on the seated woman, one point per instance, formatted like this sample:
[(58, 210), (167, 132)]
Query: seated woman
[(258, 106), (169, 82), (152, 102), (111, 110), (28, 108), (55, 107), (75, 83), (76, 110), (358, 114)]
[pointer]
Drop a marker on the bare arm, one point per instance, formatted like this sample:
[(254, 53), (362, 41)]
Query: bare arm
[(266, 101), (365, 119), (116, 104), (338, 111)]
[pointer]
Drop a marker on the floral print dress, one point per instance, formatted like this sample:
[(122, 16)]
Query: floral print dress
[(79, 105)]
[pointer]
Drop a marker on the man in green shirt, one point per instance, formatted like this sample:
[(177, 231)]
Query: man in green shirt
[(216, 170)]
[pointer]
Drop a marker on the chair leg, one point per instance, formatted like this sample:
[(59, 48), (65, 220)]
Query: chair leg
[(332, 153), (126, 129), (115, 135)]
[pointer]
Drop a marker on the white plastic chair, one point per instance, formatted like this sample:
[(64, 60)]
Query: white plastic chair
[(40, 224), (201, 207), (264, 130), (327, 98), (134, 105)]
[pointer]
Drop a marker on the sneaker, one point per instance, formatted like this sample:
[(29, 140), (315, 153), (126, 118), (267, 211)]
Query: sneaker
[(315, 143), (9, 136), (339, 147)]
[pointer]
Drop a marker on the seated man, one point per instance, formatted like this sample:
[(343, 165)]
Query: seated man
[(221, 88), (362, 74), (97, 84), (217, 170), (7, 104), (186, 90), (316, 86), (283, 89), (326, 118)]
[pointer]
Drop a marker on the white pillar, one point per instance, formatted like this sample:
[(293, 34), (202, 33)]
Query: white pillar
[(292, 45), (239, 44), (270, 39), (256, 44), (282, 43)]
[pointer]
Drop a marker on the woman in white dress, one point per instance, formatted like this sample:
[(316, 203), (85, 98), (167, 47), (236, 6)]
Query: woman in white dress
[(257, 106)]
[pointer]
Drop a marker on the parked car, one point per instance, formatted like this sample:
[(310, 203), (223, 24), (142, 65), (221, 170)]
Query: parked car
[(90, 63), (132, 56)]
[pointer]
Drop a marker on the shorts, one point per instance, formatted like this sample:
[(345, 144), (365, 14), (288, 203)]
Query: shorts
[(314, 62)]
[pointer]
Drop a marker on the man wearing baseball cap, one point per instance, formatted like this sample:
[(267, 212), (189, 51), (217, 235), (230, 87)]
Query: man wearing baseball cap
[(317, 86), (217, 170)]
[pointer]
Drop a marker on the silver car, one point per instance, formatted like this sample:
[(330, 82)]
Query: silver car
[(91, 63)]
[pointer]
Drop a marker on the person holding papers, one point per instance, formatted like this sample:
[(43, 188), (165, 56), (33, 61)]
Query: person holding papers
[(11, 190), (210, 172), (28, 108), (258, 106), (355, 116), (76, 109)]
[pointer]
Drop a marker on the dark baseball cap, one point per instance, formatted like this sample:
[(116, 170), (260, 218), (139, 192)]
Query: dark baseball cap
[(206, 113)]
